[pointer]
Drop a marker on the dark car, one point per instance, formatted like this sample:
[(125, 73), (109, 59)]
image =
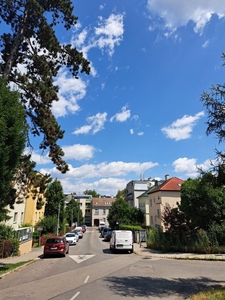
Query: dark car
[(56, 245), (104, 231), (107, 236)]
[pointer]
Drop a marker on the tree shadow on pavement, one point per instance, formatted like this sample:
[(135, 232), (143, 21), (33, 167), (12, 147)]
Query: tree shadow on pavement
[(138, 286)]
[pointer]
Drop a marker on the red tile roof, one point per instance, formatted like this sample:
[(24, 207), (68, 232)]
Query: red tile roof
[(172, 184)]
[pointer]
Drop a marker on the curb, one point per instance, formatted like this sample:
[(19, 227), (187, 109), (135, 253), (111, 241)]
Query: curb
[(18, 268)]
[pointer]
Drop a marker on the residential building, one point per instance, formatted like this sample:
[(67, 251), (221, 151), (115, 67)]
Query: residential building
[(100, 210), (85, 205), (135, 188), (17, 214), (143, 202), (33, 211), (84, 202), (159, 196)]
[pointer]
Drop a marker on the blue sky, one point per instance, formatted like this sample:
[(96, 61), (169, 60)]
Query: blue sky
[(138, 114)]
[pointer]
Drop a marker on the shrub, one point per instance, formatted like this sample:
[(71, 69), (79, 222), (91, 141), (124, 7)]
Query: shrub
[(6, 232)]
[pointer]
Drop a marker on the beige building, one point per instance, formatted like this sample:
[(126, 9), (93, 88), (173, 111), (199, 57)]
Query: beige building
[(17, 214), (100, 210), (158, 196), (33, 213)]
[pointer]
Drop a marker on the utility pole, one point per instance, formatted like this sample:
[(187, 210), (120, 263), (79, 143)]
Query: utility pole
[(58, 219)]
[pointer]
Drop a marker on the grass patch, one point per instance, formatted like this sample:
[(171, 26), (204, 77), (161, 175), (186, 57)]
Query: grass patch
[(10, 267), (217, 293)]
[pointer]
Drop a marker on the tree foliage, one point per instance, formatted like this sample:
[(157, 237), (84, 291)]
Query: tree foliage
[(73, 213), (121, 194), (203, 200), (55, 201), (121, 212), (13, 133), (49, 224), (214, 102), (31, 41), (93, 193), (175, 220)]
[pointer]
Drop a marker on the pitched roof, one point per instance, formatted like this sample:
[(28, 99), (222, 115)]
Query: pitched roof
[(172, 184), (102, 201)]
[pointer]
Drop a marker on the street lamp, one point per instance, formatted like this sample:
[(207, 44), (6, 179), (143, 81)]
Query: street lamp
[(57, 231)]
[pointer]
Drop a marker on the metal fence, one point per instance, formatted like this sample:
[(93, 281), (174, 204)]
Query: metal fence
[(24, 234)]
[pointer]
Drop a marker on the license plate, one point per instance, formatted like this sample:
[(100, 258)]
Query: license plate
[(119, 245), (53, 248)]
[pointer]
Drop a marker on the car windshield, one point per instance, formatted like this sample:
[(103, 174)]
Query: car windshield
[(54, 241), (70, 235)]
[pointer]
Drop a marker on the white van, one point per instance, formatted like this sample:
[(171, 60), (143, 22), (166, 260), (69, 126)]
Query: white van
[(122, 240), (101, 225)]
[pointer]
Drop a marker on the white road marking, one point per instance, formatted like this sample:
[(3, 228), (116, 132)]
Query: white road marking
[(75, 296), (86, 280), (80, 258)]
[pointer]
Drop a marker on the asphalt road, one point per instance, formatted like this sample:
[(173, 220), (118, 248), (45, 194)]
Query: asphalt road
[(91, 271)]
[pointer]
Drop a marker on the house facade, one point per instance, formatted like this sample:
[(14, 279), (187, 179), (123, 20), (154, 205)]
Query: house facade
[(33, 212), (100, 210), (135, 188), (161, 195)]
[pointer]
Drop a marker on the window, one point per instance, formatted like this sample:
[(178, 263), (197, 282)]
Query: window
[(15, 217), (158, 213), (21, 218), (151, 219), (104, 211), (150, 202), (96, 212)]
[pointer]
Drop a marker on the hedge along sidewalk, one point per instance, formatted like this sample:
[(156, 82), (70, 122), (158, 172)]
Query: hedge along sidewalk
[(35, 253)]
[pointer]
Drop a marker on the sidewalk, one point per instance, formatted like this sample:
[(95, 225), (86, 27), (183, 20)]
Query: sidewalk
[(141, 250), (148, 253)]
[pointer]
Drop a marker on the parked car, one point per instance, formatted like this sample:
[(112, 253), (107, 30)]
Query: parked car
[(71, 238), (101, 225), (107, 236), (83, 228), (79, 231), (121, 240), (56, 245), (104, 231)]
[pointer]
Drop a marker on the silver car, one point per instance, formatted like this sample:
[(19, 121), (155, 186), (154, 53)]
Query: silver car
[(78, 230), (71, 238)]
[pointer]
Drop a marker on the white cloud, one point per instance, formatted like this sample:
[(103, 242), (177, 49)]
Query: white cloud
[(189, 166), (112, 169), (177, 13), (205, 44), (107, 35), (96, 123), (131, 131), (78, 152), (71, 90), (110, 31), (121, 116), (140, 133), (39, 158), (181, 129)]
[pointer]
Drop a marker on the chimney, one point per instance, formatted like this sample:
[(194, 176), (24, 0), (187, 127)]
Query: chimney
[(167, 177)]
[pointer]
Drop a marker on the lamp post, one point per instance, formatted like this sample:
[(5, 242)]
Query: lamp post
[(57, 232)]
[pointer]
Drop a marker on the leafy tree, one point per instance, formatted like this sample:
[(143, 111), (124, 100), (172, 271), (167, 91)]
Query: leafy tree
[(31, 41), (175, 220), (203, 201), (49, 224), (55, 201), (121, 194), (214, 102), (120, 211), (73, 213), (93, 193), (6, 232), (13, 133)]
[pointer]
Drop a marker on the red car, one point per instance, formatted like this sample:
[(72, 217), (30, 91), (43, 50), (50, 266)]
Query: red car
[(56, 245), (83, 228)]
